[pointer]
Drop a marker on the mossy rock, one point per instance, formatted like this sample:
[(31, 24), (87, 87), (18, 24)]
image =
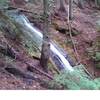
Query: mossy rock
[(31, 48), (97, 56), (98, 65)]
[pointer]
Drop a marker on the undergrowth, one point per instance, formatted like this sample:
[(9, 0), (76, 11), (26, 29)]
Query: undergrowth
[(4, 3), (94, 52), (77, 80)]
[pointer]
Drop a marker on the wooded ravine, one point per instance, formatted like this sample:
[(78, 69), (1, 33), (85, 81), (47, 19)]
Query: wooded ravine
[(49, 44)]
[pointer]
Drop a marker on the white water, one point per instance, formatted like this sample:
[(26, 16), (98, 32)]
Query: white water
[(35, 32)]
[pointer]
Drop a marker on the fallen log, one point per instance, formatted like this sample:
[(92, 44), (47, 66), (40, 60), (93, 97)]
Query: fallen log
[(9, 50), (20, 9), (12, 68), (31, 68)]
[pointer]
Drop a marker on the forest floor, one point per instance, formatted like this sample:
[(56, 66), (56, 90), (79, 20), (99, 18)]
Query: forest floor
[(14, 81), (84, 22)]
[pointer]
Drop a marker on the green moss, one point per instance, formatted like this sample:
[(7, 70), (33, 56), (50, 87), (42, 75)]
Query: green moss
[(76, 80), (94, 52), (97, 56), (31, 48), (3, 3), (98, 65), (97, 82)]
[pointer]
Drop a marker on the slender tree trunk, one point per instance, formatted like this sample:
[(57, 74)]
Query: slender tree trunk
[(81, 3), (97, 3), (70, 14), (46, 41), (62, 5)]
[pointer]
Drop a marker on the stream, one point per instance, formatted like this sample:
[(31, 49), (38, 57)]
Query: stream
[(34, 34)]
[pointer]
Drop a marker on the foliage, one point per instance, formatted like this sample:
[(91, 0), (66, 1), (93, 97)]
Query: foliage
[(31, 48), (97, 82), (98, 65), (94, 52), (76, 80), (97, 56), (3, 3), (7, 24)]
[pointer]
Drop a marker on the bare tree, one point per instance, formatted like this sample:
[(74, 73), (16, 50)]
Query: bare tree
[(45, 53), (70, 16)]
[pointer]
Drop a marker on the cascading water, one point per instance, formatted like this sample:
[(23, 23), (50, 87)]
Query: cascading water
[(37, 37)]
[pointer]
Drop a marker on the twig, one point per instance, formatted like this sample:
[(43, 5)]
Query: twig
[(32, 68), (88, 72), (20, 9), (74, 46)]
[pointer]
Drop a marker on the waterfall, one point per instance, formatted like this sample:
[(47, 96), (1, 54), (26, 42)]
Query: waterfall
[(37, 37)]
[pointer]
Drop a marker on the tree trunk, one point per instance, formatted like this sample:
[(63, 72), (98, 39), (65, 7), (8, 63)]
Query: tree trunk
[(70, 16), (97, 3), (62, 5), (81, 3), (45, 53)]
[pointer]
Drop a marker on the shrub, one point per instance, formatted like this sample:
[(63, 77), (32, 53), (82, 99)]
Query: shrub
[(76, 80)]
